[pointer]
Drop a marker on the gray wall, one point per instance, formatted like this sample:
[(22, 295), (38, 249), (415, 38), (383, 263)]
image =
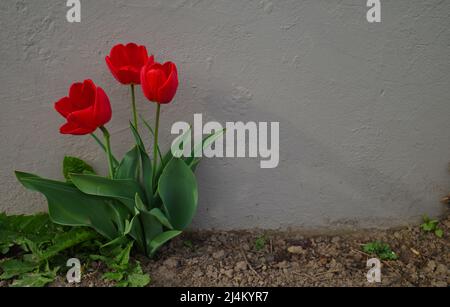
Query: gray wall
[(363, 108)]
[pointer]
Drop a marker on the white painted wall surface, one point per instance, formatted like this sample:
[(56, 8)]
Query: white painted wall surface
[(363, 108)]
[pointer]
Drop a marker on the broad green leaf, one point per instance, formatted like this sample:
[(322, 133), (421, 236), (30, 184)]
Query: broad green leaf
[(146, 164), (70, 207), (140, 204), (129, 167), (162, 239), (120, 241), (161, 217), (169, 156), (178, 191), (192, 161), (152, 228), (137, 232), (147, 181), (73, 165), (120, 189)]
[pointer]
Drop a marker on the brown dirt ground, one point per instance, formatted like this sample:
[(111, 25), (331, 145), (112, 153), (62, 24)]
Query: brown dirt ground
[(231, 259)]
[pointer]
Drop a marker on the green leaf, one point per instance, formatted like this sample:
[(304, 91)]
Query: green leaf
[(116, 257), (169, 156), (137, 137), (123, 258), (66, 240), (70, 207), (146, 124), (122, 284), (13, 267), (113, 276), (260, 243), (152, 228), (72, 165), (147, 181), (35, 280), (146, 164), (162, 239), (129, 167), (137, 232), (380, 249), (140, 204), (161, 217), (21, 230), (178, 191), (439, 233), (427, 227), (137, 278), (192, 161), (123, 190)]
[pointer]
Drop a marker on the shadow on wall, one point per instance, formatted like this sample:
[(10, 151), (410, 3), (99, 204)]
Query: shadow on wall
[(312, 181)]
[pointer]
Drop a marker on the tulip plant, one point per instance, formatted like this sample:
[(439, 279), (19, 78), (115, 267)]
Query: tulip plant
[(149, 201)]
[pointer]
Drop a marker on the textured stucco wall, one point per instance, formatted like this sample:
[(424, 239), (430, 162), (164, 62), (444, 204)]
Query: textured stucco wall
[(363, 108)]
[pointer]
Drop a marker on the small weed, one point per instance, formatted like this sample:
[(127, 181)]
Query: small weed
[(122, 272), (188, 244), (432, 226), (381, 250), (260, 243), (33, 250)]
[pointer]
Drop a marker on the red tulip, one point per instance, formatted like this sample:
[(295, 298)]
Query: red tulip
[(126, 62), (159, 81), (86, 108)]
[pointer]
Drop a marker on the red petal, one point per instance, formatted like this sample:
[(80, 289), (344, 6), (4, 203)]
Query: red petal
[(154, 79), (84, 119), (168, 90), (71, 128), (137, 55), (119, 55), (114, 70), (64, 106), (102, 108), (82, 95)]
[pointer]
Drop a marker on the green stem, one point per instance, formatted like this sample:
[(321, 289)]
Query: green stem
[(108, 151), (155, 144), (100, 143), (133, 103)]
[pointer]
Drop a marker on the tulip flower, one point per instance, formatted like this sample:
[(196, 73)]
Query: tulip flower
[(86, 109), (125, 63), (159, 84), (159, 81)]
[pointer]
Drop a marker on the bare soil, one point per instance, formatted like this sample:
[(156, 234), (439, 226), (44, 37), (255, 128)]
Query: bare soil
[(292, 259)]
